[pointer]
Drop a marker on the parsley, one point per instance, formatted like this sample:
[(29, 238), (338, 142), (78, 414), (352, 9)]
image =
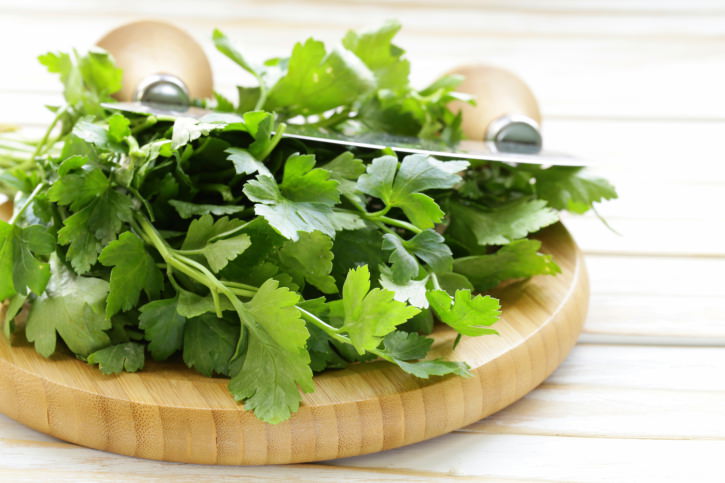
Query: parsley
[(259, 258)]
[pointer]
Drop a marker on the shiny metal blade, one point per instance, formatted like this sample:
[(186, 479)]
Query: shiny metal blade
[(513, 153)]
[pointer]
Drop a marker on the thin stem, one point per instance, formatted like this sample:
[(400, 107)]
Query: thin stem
[(229, 233), (240, 285), (399, 223), (30, 199), (46, 135), (274, 141), (336, 118), (334, 333)]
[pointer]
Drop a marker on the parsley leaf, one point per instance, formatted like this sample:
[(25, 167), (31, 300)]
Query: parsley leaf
[(209, 344), (571, 188), (29, 272), (187, 210), (473, 226), (437, 367), (469, 315), (376, 50), (97, 223), (128, 357), (316, 80), (245, 163), (134, 270), (427, 245), (518, 259), (310, 259), (200, 239), (277, 361), (302, 202), (370, 314), (402, 187), (407, 346), (72, 307), (163, 327)]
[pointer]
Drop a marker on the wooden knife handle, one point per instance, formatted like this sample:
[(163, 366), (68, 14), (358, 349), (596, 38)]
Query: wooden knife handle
[(146, 49), (506, 109)]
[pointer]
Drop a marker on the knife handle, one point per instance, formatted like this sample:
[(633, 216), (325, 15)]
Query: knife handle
[(505, 111), (160, 62)]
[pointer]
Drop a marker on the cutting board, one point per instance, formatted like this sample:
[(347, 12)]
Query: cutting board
[(168, 412)]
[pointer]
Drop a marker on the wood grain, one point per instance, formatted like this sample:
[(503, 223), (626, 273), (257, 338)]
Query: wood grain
[(173, 414)]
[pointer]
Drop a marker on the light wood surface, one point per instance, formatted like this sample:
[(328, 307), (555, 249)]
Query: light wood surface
[(635, 85), (169, 413)]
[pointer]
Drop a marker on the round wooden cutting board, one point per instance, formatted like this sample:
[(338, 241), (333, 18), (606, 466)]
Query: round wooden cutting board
[(168, 412)]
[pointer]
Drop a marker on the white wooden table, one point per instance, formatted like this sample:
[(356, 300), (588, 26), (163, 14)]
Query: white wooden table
[(637, 86)]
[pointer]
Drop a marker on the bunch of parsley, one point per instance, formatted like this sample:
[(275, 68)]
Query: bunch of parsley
[(260, 258)]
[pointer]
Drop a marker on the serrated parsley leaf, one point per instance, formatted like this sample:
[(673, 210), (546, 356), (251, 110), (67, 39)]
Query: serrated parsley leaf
[(437, 367), (118, 127), (467, 314), (518, 259), (209, 344), (401, 187), (572, 188), (72, 307), (428, 246), (163, 327), (277, 361), (200, 238), (376, 50), (94, 225), (245, 163), (346, 169), (316, 80), (406, 346), (126, 357), (370, 314), (187, 129), (309, 259), (188, 210), (412, 291), (134, 270), (356, 248), (29, 273), (78, 189), (473, 226), (20, 270), (302, 202)]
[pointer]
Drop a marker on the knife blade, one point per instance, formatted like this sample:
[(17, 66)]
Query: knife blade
[(506, 152)]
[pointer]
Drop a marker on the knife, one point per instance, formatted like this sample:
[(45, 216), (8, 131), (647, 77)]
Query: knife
[(501, 150)]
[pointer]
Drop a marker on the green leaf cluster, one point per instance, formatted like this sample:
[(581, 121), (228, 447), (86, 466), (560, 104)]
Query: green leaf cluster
[(223, 245)]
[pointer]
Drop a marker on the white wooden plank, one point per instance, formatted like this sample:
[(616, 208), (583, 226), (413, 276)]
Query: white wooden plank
[(557, 458), (562, 66), (644, 367), (608, 412)]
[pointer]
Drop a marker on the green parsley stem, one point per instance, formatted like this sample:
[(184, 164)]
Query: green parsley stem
[(434, 280), (334, 332), (399, 223), (229, 233), (279, 132), (239, 285), (379, 217), (147, 123), (30, 199), (46, 135)]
